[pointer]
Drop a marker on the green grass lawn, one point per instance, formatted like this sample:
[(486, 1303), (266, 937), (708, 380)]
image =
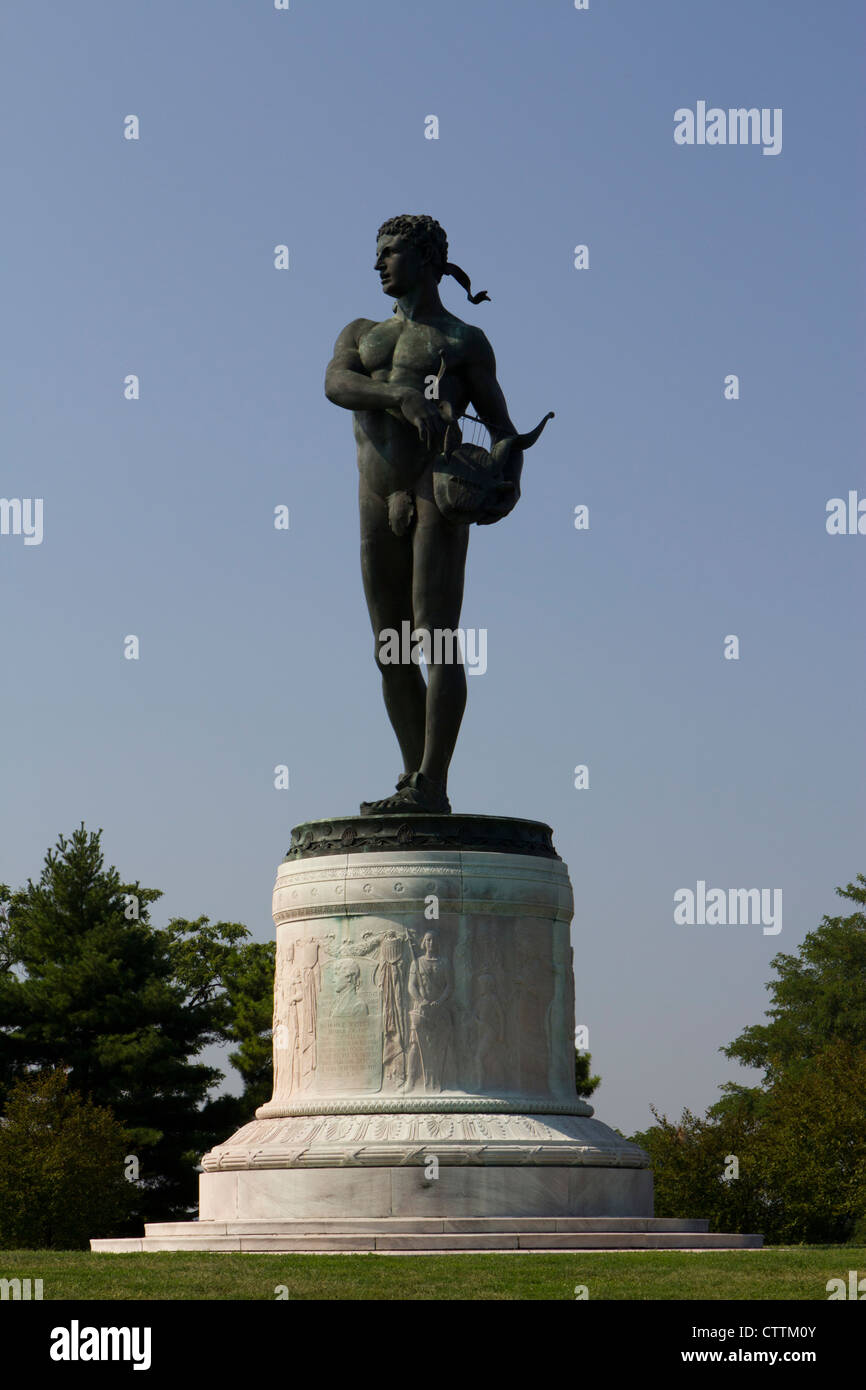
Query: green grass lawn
[(784, 1272)]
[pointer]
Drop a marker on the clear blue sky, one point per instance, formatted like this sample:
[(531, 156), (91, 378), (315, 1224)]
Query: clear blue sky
[(605, 647)]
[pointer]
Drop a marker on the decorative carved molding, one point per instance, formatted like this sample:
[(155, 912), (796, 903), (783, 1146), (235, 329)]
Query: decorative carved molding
[(419, 1104), (409, 1138)]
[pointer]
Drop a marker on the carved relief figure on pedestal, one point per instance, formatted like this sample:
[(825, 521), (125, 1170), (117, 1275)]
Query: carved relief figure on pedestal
[(390, 977), (429, 1015), (294, 1024), (489, 1032), (280, 1028), (295, 995), (288, 1000), (535, 972), (307, 961), (347, 980)]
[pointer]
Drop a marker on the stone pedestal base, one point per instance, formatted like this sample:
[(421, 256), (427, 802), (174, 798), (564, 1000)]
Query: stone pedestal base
[(424, 1037), (429, 1235), (424, 1064), (422, 1165), (382, 1193)]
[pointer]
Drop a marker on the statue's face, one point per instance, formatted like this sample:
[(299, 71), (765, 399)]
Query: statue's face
[(399, 265)]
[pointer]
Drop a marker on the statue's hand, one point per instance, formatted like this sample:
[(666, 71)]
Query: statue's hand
[(426, 417)]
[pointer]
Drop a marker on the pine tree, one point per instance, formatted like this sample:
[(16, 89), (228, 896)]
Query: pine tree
[(88, 984)]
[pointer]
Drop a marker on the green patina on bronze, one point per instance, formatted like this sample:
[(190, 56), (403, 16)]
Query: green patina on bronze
[(409, 381), (379, 834)]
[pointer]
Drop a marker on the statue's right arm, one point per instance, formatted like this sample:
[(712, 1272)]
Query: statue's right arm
[(347, 383)]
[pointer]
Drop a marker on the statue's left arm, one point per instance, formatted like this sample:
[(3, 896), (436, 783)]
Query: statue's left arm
[(486, 396)]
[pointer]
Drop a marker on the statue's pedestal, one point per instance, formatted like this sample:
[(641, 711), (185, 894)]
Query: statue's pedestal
[(424, 1036), (424, 1088)]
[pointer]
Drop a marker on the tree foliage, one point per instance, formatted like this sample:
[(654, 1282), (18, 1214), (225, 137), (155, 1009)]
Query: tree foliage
[(62, 1167), (89, 984), (585, 1082), (800, 1137), (818, 998)]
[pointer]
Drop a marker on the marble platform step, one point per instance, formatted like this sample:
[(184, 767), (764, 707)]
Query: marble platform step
[(430, 1235)]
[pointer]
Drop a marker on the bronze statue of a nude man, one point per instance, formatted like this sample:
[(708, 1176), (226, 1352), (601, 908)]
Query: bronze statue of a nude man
[(412, 555)]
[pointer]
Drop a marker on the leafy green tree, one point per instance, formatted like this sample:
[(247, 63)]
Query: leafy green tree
[(62, 1168), (819, 997), (708, 1170), (811, 1147), (799, 1137), (89, 984)]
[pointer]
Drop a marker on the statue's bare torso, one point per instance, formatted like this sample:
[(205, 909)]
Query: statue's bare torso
[(403, 353)]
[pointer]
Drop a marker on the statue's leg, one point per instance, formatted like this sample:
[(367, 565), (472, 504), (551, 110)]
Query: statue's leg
[(386, 566), (437, 597)]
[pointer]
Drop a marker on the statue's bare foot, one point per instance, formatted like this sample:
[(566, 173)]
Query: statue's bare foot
[(415, 795)]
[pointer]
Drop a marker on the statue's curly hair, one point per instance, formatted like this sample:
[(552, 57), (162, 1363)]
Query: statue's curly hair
[(422, 231), (425, 233)]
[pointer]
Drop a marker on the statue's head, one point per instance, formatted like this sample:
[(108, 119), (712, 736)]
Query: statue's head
[(408, 248), (348, 976), (412, 247)]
